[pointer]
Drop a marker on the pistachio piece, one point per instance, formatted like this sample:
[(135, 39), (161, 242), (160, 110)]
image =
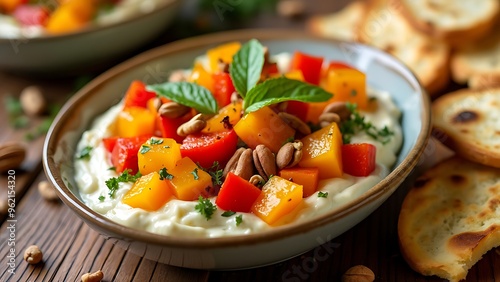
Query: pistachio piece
[(177, 76), (12, 156), (240, 164), (289, 155), (173, 110), (264, 161), (194, 125), (295, 123)]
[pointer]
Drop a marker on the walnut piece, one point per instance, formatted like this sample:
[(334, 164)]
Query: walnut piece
[(240, 164), (32, 101), (264, 161), (289, 155)]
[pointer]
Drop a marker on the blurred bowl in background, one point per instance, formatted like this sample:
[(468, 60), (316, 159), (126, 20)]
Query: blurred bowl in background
[(90, 47)]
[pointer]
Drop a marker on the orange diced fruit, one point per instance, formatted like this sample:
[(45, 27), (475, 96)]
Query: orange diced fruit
[(189, 181), (216, 123), (307, 177), (135, 121), (264, 127), (148, 193), (347, 85), (278, 198), (158, 153), (224, 52), (201, 77), (323, 150)]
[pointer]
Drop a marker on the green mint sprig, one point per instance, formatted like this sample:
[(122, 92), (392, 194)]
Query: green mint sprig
[(247, 66)]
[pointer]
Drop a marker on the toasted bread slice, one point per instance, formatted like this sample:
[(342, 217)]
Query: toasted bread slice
[(470, 122), (455, 22), (342, 25), (479, 63), (450, 218), (384, 27)]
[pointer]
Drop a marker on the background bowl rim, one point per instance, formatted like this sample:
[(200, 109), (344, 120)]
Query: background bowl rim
[(93, 27), (396, 175)]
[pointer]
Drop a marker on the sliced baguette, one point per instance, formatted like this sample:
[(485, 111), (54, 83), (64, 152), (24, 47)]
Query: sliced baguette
[(470, 123), (342, 25), (450, 218), (385, 28), (455, 22), (479, 63)]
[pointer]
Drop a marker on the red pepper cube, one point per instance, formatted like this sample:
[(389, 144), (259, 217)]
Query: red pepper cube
[(359, 159), (237, 194), (309, 65)]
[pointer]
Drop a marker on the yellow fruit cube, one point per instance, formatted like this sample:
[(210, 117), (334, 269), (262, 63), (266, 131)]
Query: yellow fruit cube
[(158, 153), (189, 181), (148, 193)]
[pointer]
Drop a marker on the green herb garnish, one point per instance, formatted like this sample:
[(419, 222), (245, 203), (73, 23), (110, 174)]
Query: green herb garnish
[(101, 198), (357, 123), (113, 182), (322, 194), (112, 168), (277, 90), (154, 141), (165, 175), (84, 153), (188, 94), (205, 207), (228, 213), (195, 174), (239, 219), (246, 66), (144, 149)]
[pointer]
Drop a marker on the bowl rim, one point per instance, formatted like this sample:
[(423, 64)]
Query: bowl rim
[(397, 175), (94, 27)]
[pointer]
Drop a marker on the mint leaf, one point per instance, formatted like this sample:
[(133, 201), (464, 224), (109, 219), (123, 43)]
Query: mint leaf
[(247, 66), (188, 94), (282, 89)]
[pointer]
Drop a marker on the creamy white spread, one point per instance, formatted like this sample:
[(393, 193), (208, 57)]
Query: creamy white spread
[(125, 9), (179, 218)]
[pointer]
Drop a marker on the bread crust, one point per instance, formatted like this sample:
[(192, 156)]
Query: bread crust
[(456, 35), (469, 123), (450, 218), (427, 58)]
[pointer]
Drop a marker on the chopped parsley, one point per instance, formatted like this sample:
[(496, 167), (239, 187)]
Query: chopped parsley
[(195, 174), (101, 198), (357, 123), (228, 213), (84, 153), (144, 149), (205, 207), (164, 174), (322, 194), (113, 182), (154, 141), (112, 168), (239, 219)]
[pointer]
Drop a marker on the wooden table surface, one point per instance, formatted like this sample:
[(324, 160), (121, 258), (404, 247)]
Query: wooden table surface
[(71, 248)]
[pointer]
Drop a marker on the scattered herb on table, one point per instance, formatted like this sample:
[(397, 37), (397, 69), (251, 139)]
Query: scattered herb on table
[(205, 207)]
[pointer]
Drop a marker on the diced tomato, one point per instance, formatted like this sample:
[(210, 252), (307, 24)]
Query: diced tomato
[(109, 143), (205, 148), (124, 154), (237, 194), (223, 88), (168, 126), (31, 15), (309, 65), (137, 95), (359, 159), (298, 109)]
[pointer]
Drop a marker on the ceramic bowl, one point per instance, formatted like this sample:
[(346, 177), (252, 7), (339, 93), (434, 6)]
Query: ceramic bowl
[(383, 72), (78, 51)]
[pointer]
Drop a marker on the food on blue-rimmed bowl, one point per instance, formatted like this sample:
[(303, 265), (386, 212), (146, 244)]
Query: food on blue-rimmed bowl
[(251, 146), (42, 37)]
